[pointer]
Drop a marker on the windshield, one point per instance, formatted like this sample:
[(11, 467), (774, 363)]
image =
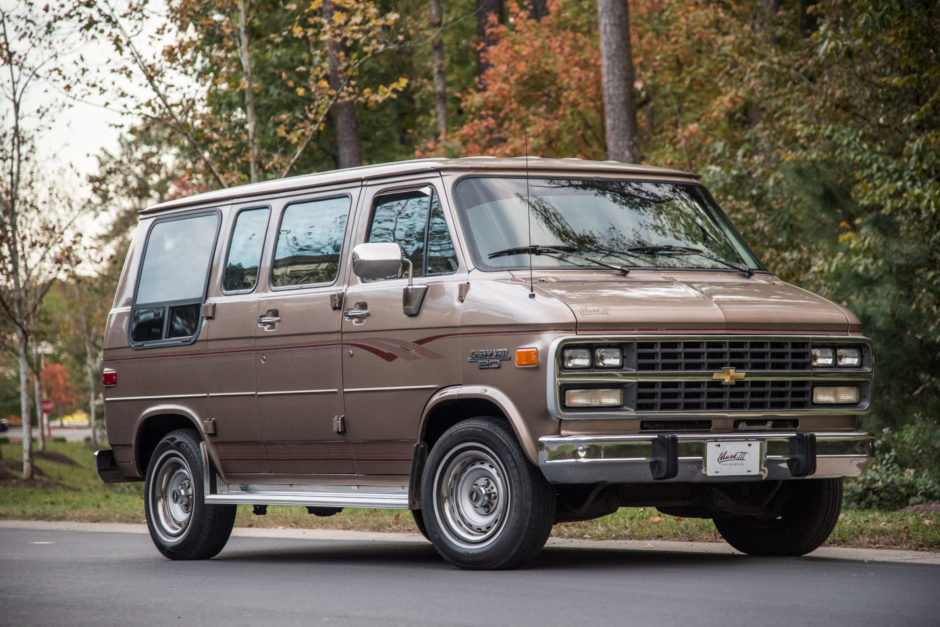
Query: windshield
[(633, 224)]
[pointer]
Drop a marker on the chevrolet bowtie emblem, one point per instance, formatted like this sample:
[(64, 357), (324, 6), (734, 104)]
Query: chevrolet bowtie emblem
[(728, 376)]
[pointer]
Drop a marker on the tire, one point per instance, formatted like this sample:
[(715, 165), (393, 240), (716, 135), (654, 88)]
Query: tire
[(484, 505), (419, 522), (807, 512), (182, 525)]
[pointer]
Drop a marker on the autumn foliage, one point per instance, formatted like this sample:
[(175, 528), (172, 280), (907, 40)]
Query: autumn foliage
[(57, 385), (544, 80)]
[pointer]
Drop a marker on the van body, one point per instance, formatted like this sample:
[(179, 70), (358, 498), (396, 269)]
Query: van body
[(496, 345)]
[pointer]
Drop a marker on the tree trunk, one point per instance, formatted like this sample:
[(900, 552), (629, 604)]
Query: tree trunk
[(438, 70), (538, 9), (617, 69), (249, 90), (23, 362), (344, 111), (37, 394), (486, 8)]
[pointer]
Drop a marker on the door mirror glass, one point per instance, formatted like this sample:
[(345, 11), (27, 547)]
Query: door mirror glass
[(377, 260)]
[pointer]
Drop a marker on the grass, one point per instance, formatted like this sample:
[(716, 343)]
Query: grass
[(73, 492)]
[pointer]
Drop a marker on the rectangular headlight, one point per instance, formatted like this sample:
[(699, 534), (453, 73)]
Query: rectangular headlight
[(849, 357), (835, 395), (823, 357), (608, 357), (593, 397), (576, 358)]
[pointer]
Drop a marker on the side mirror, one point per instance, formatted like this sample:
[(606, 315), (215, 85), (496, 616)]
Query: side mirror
[(377, 260), (383, 260)]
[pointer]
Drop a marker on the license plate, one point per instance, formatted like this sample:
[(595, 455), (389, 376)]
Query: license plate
[(737, 458)]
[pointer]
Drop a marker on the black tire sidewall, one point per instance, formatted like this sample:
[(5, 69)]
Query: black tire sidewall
[(202, 537), (530, 512), (811, 515)]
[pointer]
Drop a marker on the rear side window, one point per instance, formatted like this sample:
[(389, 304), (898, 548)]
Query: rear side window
[(414, 220), (172, 282), (309, 242), (244, 253)]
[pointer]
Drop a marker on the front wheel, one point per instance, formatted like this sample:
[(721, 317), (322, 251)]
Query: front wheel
[(801, 516), (485, 506), (181, 524)]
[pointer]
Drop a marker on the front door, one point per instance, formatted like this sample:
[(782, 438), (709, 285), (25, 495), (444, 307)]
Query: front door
[(393, 363), (300, 403)]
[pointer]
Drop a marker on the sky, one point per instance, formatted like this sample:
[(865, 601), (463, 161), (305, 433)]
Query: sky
[(83, 129)]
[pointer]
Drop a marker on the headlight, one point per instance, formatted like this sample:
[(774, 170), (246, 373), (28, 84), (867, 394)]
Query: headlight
[(593, 397), (849, 357), (576, 358), (835, 395), (608, 357), (823, 357)]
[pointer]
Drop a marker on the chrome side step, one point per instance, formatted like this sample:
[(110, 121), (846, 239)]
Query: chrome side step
[(312, 496)]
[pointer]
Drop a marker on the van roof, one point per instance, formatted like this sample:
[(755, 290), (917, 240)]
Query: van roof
[(415, 166)]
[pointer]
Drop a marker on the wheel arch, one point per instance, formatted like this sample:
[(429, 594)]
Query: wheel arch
[(156, 423), (454, 404)]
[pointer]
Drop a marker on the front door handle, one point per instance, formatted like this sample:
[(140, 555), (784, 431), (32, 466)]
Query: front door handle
[(356, 314), (270, 319)]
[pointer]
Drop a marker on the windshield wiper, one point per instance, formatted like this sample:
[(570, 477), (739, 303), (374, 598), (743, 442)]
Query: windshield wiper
[(555, 251), (670, 248)]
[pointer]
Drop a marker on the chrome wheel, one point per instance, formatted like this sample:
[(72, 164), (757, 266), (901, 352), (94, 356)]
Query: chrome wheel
[(471, 495), (171, 496)]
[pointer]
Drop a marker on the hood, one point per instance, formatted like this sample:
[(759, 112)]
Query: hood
[(643, 302)]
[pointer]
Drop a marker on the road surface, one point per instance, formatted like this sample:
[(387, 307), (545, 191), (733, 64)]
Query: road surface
[(50, 574)]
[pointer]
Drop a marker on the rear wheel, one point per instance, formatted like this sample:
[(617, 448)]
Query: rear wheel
[(484, 505), (182, 525), (419, 522), (801, 516)]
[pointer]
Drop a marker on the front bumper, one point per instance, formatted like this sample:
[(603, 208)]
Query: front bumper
[(641, 458)]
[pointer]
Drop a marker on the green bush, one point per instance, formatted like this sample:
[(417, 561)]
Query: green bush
[(905, 471)]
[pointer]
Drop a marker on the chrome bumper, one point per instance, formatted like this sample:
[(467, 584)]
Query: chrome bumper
[(106, 467), (635, 458)]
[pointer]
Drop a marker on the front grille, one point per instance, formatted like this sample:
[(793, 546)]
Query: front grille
[(713, 355), (715, 396)]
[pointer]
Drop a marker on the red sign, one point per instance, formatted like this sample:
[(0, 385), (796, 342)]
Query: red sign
[(47, 405)]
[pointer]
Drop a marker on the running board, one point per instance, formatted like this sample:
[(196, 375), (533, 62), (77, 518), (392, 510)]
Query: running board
[(312, 496)]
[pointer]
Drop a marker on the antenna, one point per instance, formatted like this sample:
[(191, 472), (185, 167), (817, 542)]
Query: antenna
[(528, 207)]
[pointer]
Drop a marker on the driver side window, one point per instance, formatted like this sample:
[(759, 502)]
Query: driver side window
[(415, 221)]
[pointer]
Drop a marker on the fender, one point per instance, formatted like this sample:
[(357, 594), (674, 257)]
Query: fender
[(209, 453), (495, 396)]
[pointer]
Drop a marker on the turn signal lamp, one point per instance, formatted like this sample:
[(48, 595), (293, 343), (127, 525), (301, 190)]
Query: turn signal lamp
[(526, 357)]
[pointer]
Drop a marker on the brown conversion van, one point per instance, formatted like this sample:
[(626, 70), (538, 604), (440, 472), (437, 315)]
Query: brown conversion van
[(496, 345)]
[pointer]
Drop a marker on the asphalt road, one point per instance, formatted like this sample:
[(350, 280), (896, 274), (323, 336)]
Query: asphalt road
[(50, 576)]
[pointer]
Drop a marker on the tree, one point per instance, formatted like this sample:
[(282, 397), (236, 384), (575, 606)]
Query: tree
[(35, 215), (613, 17), (489, 14), (344, 108), (438, 67), (59, 388), (544, 81), (214, 59)]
